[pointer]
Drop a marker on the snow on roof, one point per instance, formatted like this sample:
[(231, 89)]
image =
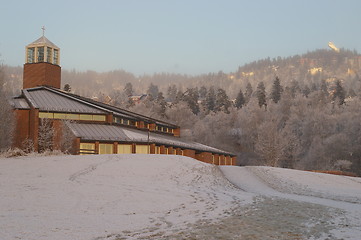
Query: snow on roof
[(99, 132)]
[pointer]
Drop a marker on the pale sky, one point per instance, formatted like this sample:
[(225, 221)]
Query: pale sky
[(184, 36)]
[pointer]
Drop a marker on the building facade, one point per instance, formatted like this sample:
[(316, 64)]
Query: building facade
[(48, 117)]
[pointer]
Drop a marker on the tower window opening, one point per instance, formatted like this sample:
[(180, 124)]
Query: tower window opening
[(40, 54), (56, 57), (48, 54), (31, 56)]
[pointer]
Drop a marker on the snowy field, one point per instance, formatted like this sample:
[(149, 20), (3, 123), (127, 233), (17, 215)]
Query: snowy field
[(117, 197)]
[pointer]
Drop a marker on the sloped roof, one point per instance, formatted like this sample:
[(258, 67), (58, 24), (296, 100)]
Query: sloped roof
[(99, 132), (19, 103), (47, 100), (52, 99), (43, 41)]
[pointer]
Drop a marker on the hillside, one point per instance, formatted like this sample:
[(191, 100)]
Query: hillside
[(171, 197), (305, 69)]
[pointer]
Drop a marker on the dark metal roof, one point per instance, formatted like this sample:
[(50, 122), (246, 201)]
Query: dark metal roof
[(51, 99), (98, 132), (47, 100), (20, 103)]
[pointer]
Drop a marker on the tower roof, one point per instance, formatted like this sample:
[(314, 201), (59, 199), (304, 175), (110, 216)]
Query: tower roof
[(43, 41)]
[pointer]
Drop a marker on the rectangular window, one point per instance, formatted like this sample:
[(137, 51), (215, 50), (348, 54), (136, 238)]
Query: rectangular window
[(56, 57), (86, 117), (105, 148), (49, 54), (31, 53), (72, 116), (116, 120), (40, 54), (124, 148), (60, 115), (87, 148), (125, 121), (46, 115), (157, 149), (99, 118), (143, 149)]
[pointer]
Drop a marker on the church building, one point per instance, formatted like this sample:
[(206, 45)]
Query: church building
[(88, 126)]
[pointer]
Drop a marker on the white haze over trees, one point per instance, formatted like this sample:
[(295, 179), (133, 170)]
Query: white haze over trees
[(298, 112)]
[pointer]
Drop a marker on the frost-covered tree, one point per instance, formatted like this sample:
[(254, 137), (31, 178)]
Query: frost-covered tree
[(45, 135)]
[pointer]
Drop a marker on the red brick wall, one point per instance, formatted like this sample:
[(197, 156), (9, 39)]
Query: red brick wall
[(21, 127), (38, 74)]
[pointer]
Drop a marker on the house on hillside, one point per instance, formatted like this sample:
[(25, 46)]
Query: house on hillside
[(92, 127)]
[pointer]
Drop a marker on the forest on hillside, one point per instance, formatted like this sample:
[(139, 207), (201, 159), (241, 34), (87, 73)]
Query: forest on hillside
[(298, 112)]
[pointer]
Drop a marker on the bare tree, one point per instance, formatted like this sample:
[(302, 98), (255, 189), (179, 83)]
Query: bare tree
[(6, 117)]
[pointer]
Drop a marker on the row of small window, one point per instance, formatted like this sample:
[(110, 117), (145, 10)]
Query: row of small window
[(134, 123), (71, 116), (124, 121), (165, 129), (106, 148), (37, 54)]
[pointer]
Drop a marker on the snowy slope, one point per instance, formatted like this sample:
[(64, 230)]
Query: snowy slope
[(339, 194), (83, 197), (171, 197)]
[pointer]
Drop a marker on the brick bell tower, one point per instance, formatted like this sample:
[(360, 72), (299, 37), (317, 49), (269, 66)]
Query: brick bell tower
[(42, 60)]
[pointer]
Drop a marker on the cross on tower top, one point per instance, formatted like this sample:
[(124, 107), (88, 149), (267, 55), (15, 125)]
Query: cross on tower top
[(43, 28)]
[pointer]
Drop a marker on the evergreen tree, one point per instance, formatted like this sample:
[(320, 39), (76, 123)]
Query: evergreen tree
[(191, 97), (128, 89), (339, 93), (240, 101), (203, 92), (152, 91), (172, 93), (276, 90), (162, 104), (222, 101), (210, 101), (179, 97), (249, 91), (261, 95)]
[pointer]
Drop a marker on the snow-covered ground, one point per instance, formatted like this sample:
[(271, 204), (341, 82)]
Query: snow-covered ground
[(117, 197)]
